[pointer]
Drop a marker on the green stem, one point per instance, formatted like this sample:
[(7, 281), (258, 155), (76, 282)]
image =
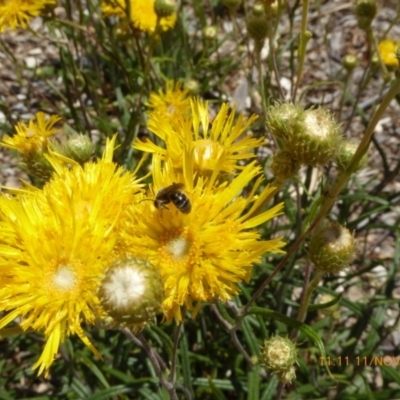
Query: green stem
[(258, 47), (304, 38), (344, 93), (306, 300)]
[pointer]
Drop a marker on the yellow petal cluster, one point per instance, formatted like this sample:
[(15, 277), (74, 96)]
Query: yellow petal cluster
[(222, 142), (169, 104), (32, 138), (387, 50), (17, 13)]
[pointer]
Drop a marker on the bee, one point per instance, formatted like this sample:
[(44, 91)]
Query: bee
[(173, 194)]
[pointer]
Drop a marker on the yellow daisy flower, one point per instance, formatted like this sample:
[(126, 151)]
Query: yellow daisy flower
[(56, 244), (202, 254), (168, 104), (32, 138), (387, 50), (224, 143), (14, 13), (141, 14)]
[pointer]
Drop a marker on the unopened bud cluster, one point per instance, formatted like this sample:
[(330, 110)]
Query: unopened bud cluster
[(131, 291), (280, 355), (331, 247), (312, 137)]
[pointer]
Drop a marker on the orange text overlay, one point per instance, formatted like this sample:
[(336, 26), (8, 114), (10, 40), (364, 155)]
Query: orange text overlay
[(367, 361)]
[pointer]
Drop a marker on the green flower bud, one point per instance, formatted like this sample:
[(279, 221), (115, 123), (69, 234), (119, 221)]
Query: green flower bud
[(283, 166), (35, 162), (350, 62), (345, 154), (79, 147), (365, 12), (331, 247), (286, 376), (327, 298), (279, 354), (312, 137), (192, 86), (37, 165), (284, 118), (257, 24), (210, 32), (131, 291), (165, 8)]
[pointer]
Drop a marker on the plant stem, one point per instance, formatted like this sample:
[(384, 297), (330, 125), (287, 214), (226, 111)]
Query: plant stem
[(306, 300), (304, 38), (258, 48)]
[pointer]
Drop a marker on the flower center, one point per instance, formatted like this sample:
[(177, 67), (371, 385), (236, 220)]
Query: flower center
[(64, 278), (30, 133), (178, 247), (206, 153), (171, 109)]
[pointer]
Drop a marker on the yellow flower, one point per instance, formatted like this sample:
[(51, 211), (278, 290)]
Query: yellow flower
[(141, 13), (32, 138), (204, 254), (169, 104), (56, 244), (14, 13), (387, 50), (224, 144)]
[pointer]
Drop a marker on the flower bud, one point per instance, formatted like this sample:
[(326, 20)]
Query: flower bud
[(331, 247), (210, 32), (365, 12), (311, 137), (37, 165), (192, 86), (283, 166), (79, 147), (350, 62), (257, 24), (165, 8), (286, 376), (279, 354), (283, 118), (327, 298), (345, 154), (131, 291)]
